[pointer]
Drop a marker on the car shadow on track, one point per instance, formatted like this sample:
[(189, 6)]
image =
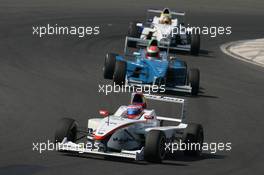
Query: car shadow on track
[(21, 169), (181, 157), (177, 159), (201, 94), (174, 159), (105, 158), (202, 53), (120, 160)]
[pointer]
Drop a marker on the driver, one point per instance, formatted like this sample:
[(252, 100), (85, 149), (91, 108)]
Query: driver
[(165, 19), (153, 52), (134, 111)]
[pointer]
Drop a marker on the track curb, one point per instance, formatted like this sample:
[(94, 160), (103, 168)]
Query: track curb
[(251, 51)]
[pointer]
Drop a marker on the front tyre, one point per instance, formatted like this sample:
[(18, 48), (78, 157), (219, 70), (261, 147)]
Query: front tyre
[(134, 32), (154, 150), (109, 65), (195, 44), (119, 76), (193, 139), (194, 80), (66, 127)]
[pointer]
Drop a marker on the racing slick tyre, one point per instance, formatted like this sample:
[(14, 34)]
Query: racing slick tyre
[(134, 32), (109, 65), (171, 73), (119, 76), (195, 44), (193, 139), (194, 80), (66, 127), (154, 150)]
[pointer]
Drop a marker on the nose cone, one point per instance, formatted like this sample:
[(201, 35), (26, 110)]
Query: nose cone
[(160, 67)]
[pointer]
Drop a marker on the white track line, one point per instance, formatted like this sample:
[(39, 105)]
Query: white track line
[(251, 51)]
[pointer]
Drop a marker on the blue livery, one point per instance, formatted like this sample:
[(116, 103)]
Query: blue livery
[(138, 69)]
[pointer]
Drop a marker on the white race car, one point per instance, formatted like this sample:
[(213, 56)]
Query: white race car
[(133, 131), (168, 28)]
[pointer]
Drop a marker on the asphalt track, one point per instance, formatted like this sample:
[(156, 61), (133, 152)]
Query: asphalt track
[(44, 79)]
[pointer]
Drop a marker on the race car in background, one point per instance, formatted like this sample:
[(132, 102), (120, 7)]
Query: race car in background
[(164, 25), (140, 68), (133, 131)]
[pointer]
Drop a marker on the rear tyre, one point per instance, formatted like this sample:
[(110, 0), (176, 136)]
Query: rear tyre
[(119, 76), (195, 44), (66, 127), (193, 138), (154, 150), (109, 65), (194, 80), (134, 32)]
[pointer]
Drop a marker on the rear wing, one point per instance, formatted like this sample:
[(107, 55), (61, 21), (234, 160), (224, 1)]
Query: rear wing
[(143, 43), (171, 12), (151, 13), (139, 42), (180, 101)]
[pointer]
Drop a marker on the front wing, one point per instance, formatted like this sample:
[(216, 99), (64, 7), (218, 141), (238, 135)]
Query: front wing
[(68, 146)]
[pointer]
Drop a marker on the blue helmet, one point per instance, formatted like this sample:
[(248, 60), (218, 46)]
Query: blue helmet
[(133, 111)]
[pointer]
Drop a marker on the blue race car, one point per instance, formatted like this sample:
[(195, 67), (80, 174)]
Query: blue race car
[(148, 66)]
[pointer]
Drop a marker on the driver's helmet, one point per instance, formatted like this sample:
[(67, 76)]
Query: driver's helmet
[(139, 100), (165, 19), (134, 111), (153, 52)]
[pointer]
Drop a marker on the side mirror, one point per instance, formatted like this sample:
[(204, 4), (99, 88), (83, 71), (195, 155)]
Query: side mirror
[(150, 20), (148, 117), (172, 58), (136, 53), (104, 113), (139, 24)]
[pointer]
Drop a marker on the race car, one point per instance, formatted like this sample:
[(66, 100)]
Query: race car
[(133, 131), (166, 25), (151, 66)]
